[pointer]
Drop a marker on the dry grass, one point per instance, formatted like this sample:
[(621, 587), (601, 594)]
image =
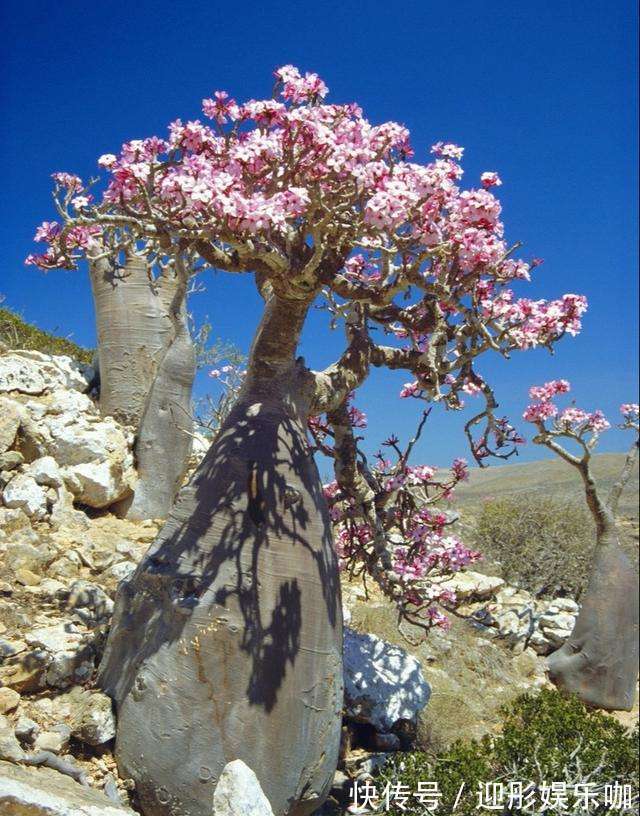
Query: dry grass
[(470, 677), (16, 333), (544, 478)]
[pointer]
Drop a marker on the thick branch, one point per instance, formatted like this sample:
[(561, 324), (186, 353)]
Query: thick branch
[(616, 491)]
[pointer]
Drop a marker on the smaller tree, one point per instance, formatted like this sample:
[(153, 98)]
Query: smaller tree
[(600, 660)]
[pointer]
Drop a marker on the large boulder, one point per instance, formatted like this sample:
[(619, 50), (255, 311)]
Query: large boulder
[(31, 372), (383, 684), (56, 429)]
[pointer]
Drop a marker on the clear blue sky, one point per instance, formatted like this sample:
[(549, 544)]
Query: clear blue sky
[(542, 92)]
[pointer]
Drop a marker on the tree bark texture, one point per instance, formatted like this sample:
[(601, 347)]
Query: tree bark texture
[(147, 367), (599, 662), (227, 640)]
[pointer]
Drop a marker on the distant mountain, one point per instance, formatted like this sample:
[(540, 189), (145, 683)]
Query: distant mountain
[(548, 477)]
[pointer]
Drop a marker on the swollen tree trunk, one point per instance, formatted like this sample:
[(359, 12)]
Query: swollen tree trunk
[(227, 640), (599, 661), (147, 367)]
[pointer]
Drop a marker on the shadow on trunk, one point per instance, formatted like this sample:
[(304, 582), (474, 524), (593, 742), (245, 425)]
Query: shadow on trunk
[(227, 640)]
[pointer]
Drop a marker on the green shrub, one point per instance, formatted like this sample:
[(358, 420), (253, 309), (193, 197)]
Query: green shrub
[(544, 738), (16, 333), (542, 544)]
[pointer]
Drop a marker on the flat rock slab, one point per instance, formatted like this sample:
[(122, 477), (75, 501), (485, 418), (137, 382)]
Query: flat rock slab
[(43, 792)]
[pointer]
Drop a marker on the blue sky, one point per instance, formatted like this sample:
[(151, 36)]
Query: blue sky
[(542, 92)]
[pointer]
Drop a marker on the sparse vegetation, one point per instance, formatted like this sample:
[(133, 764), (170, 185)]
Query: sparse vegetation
[(17, 333), (471, 678), (544, 738), (542, 544)]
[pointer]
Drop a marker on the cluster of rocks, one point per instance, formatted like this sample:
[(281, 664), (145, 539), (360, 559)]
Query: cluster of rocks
[(514, 615), (55, 449)]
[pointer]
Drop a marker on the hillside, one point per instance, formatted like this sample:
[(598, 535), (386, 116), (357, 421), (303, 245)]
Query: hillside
[(545, 478), (17, 333)]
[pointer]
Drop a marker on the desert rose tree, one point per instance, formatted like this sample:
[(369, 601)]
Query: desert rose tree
[(145, 352), (227, 640), (600, 660)]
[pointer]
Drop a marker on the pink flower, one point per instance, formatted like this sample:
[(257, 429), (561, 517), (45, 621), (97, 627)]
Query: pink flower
[(460, 470), (411, 389), (357, 417), (297, 88), (549, 389), (447, 150), (107, 160), (47, 231), (81, 201), (221, 108), (629, 410), (597, 422), (68, 180), (539, 411), (490, 179)]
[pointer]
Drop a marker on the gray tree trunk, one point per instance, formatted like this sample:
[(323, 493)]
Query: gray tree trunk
[(147, 367), (599, 662), (227, 640)]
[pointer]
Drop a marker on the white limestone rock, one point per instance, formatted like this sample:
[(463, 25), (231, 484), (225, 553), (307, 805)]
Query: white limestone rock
[(383, 683), (238, 793), (45, 471), (24, 493), (469, 584), (31, 372), (101, 484), (9, 423)]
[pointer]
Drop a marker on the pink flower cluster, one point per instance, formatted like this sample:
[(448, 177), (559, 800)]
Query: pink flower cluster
[(572, 420), (267, 165), (532, 323), (630, 411), (426, 551)]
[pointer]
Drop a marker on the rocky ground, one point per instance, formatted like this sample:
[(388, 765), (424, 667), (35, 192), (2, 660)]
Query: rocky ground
[(63, 551)]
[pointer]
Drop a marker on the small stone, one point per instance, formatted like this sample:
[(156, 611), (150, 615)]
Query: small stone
[(90, 600), (24, 672), (24, 493), (26, 729), (25, 577), (238, 793), (46, 472), (57, 638), (93, 721), (8, 648), (564, 605), (55, 740), (9, 423), (10, 748), (469, 584), (10, 460), (121, 570), (41, 792), (9, 700), (63, 568)]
